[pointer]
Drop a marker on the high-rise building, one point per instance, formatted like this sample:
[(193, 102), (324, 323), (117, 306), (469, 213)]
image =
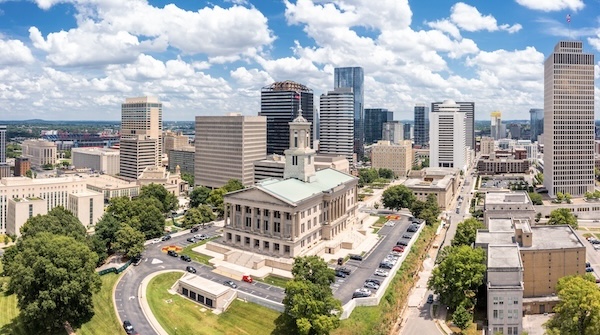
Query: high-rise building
[(279, 103), (354, 77), (536, 122), (227, 147), (22, 165), (337, 123), (2, 144), (184, 158), (173, 141), (102, 160), (569, 120), (393, 131), (467, 107), (515, 131), (408, 131), (447, 137), (141, 135), (497, 128), (421, 125), (374, 120), (397, 157)]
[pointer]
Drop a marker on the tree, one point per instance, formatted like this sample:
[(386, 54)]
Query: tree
[(466, 231), (54, 278), (188, 178), (578, 309), (386, 173), (309, 305), (129, 241), (142, 214), (425, 162), (106, 230), (167, 200), (417, 207), (461, 317), (538, 216), (398, 197), (29, 174), (568, 197), (198, 215), (458, 275), (367, 176), (58, 221), (233, 185), (199, 195), (215, 199), (560, 196), (561, 216), (536, 198)]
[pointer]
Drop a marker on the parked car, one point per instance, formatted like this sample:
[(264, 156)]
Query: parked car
[(408, 236), (230, 283), (398, 249), (247, 279), (430, 299), (590, 269), (172, 253), (412, 229), (344, 269), (191, 240), (200, 237), (340, 261), (166, 238), (186, 258), (194, 229), (136, 260), (386, 265), (397, 253), (402, 242), (156, 240), (371, 285), (587, 264), (340, 274), (381, 273), (128, 327), (190, 269), (356, 257), (361, 293), (376, 281)]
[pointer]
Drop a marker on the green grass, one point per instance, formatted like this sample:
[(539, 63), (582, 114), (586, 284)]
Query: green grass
[(196, 256), (105, 319), (275, 280), (181, 316), (380, 222)]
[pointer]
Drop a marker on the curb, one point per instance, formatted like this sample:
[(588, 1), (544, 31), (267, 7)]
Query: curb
[(144, 302)]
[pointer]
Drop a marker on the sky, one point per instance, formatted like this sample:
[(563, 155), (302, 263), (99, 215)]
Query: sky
[(80, 59)]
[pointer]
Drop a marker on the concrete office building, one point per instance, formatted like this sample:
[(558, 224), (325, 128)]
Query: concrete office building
[(442, 182), (492, 164), (2, 144), (102, 160), (39, 152), (22, 165), (171, 181), (497, 204), (183, 157), (487, 146), (111, 187), (467, 107), (173, 141), (279, 103), (374, 120), (396, 157), (337, 123), (55, 192), (273, 166), (288, 217), (421, 132), (393, 131), (408, 131), (227, 147), (447, 137), (354, 77), (141, 135), (497, 128), (569, 120)]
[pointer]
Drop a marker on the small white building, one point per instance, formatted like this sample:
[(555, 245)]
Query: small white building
[(102, 160), (206, 292)]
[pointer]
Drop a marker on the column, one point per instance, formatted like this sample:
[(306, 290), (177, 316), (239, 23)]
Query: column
[(225, 213), (329, 211), (252, 218), (293, 230), (260, 221), (243, 218), (271, 223)]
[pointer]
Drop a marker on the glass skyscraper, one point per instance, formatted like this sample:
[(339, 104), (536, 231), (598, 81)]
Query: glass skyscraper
[(374, 120), (354, 78), (421, 132), (536, 122)]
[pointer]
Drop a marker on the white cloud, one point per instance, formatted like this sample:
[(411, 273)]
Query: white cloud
[(14, 52), (445, 26), (469, 18), (552, 5)]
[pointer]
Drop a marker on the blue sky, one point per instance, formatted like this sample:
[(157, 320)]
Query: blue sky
[(80, 59)]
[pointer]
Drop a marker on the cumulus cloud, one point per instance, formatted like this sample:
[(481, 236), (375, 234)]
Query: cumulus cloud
[(552, 5), (14, 52), (470, 19)]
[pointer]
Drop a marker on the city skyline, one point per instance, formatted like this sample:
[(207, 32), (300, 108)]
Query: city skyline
[(61, 60)]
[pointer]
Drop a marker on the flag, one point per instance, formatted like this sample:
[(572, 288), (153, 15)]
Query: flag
[(297, 96), (568, 18)]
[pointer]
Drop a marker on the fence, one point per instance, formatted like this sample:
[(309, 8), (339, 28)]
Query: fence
[(115, 270)]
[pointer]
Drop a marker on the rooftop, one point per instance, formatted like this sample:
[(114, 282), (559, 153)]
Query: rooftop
[(25, 181), (108, 182), (97, 151), (434, 184), (485, 237), (440, 171), (504, 256), (501, 198), (204, 284), (500, 225), (554, 237)]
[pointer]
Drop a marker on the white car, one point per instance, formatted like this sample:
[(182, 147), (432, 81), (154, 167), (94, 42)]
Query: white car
[(381, 273), (200, 237), (156, 240)]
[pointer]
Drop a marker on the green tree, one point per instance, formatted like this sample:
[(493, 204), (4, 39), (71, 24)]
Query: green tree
[(233, 185), (561, 216), (536, 198), (597, 173), (58, 221), (386, 173), (198, 215), (188, 178), (129, 241), (417, 207), (461, 317), (54, 278), (568, 197), (578, 309), (106, 230), (167, 200), (199, 195), (29, 174), (367, 176), (309, 305), (458, 275), (538, 216), (215, 199), (560, 196), (142, 214), (425, 162), (466, 231), (398, 197)]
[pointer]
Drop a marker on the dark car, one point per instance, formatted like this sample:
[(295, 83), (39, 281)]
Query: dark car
[(190, 269), (136, 260), (194, 229), (166, 237), (408, 236), (230, 283), (340, 274), (376, 281), (361, 293), (402, 242), (191, 240), (590, 269), (386, 265), (340, 261), (588, 265), (344, 270), (172, 253), (128, 327), (430, 299), (185, 258), (411, 229), (356, 257)]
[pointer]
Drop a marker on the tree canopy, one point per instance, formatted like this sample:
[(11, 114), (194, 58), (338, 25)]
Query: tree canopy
[(386, 173), (398, 197), (199, 195), (129, 241), (466, 231), (367, 176), (536, 198), (458, 275), (54, 278), (563, 216), (198, 215), (167, 201), (142, 214), (58, 221), (233, 185), (215, 199), (578, 309)]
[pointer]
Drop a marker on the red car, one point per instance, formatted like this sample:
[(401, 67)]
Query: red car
[(247, 279), (398, 249)]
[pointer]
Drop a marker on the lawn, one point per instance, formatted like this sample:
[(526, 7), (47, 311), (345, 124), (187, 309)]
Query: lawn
[(105, 319), (178, 315), (380, 222), (198, 257), (275, 280)]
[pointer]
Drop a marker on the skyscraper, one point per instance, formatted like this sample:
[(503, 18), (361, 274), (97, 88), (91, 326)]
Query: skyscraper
[(337, 123), (354, 77), (2, 144), (374, 120), (393, 131), (447, 145), (468, 108), (421, 132), (569, 120), (141, 135), (497, 128), (536, 122), (408, 130), (279, 104)]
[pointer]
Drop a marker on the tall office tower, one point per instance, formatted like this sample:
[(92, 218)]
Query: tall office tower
[(354, 77), (227, 147), (467, 107), (569, 120), (141, 135), (279, 103), (2, 144), (337, 123), (515, 131), (408, 131), (536, 122), (421, 125), (447, 145), (393, 131), (497, 128), (173, 141), (374, 120)]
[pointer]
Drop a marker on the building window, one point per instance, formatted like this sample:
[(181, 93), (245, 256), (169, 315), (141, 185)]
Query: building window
[(277, 227), (294, 160), (229, 236), (302, 229), (238, 239), (276, 246), (247, 240), (286, 249), (277, 214), (495, 314), (266, 225), (248, 222), (288, 216), (266, 245)]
